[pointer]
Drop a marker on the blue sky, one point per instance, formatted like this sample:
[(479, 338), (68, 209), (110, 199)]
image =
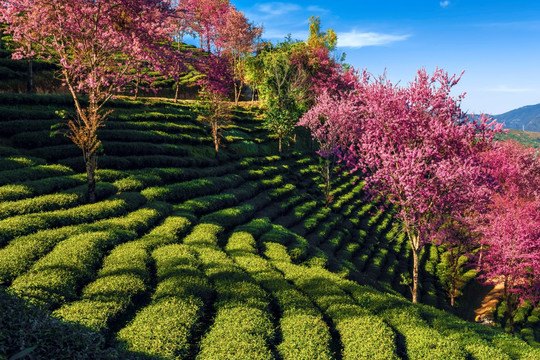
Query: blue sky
[(496, 43)]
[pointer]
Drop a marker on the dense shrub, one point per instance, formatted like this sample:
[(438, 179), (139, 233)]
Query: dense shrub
[(17, 162), (54, 279), (179, 298), (56, 201), (24, 327), (25, 224), (33, 173)]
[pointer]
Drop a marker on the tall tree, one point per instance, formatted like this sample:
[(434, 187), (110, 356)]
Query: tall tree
[(329, 121), (510, 228), (239, 39), (282, 89), (99, 45), (421, 153), (418, 150)]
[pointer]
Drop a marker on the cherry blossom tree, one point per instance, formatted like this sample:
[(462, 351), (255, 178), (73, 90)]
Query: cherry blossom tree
[(215, 85), (417, 150), (421, 152), (99, 45), (510, 245), (329, 122), (239, 39)]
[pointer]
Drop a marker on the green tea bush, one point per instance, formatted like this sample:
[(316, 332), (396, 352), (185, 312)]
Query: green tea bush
[(52, 202), (10, 128), (190, 189), (123, 275), (54, 279), (33, 173), (163, 329), (25, 326), (169, 127), (180, 294), (422, 341), (152, 136), (37, 139), (25, 224), (304, 333), (352, 322), (26, 189), (240, 332), (17, 162)]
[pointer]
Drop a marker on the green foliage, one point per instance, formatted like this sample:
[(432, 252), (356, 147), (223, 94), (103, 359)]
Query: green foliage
[(52, 339), (33, 173), (25, 224)]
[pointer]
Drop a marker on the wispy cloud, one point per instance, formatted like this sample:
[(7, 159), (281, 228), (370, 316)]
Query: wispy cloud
[(355, 39), (444, 3), (277, 8), (317, 9), (509, 89)]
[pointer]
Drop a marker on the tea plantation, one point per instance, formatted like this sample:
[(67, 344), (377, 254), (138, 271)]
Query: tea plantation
[(191, 256)]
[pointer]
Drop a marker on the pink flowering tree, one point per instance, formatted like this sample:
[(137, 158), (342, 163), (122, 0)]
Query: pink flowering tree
[(419, 151), (214, 108), (239, 39), (330, 121), (510, 228), (99, 44)]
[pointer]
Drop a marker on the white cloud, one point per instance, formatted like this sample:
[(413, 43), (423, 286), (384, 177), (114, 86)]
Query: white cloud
[(277, 8), (508, 89), (355, 39), (444, 3), (318, 9)]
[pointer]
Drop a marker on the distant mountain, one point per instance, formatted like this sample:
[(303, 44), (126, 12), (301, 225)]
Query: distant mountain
[(524, 118)]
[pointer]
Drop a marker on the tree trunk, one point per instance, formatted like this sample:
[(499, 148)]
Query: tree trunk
[(416, 274), (252, 97), (238, 92), (452, 300), (136, 88), (30, 80), (215, 135), (509, 307), (327, 198), (176, 92), (279, 146), (91, 166)]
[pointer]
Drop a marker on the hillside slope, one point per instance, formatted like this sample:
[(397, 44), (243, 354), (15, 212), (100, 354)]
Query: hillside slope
[(525, 118), (189, 256)]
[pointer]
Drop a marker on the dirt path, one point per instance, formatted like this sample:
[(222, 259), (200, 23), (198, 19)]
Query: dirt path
[(489, 303)]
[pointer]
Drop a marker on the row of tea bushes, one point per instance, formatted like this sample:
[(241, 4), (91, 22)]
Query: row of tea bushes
[(22, 252), (304, 334), (124, 276), (51, 202), (362, 335), (26, 224)]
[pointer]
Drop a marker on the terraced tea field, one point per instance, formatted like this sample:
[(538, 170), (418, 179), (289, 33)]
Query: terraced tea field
[(191, 256)]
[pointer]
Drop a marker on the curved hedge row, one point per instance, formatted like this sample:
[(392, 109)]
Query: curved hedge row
[(22, 252), (56, 201), (304, 333), (33, 173), (26, 224), (55, 278)]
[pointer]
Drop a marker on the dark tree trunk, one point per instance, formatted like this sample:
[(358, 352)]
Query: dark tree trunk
[(176, 92), (91, 166), (30, 79), (509, 307), (416, 274)]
